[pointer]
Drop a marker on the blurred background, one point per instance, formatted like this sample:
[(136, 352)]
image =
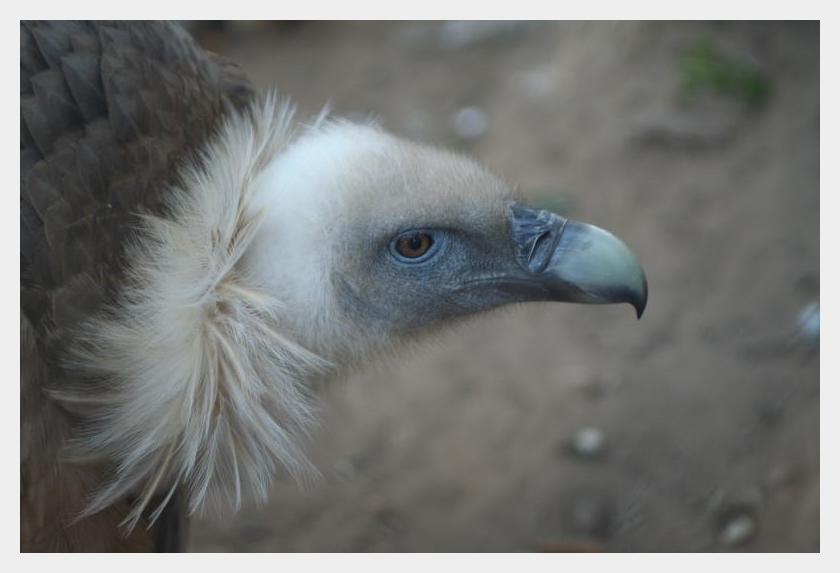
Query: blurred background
[(562, 427)]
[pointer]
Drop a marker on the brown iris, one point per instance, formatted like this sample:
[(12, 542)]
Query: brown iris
[(414, 246)]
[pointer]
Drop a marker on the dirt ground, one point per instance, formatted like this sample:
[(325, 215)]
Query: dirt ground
[(708, 408)]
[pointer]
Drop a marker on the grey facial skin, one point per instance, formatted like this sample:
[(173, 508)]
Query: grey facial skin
[(524, 255)]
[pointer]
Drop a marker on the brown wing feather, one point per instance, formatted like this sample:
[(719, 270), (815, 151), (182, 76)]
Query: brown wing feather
[(108, 112)]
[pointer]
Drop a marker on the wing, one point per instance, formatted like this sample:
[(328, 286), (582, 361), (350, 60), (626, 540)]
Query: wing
[(108, 112)]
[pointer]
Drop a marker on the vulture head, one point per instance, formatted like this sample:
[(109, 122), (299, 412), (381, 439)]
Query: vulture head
[(372, 240)]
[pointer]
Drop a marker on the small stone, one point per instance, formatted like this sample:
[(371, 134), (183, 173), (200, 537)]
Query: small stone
[(588, 443), (809, 323), (738, 530), (469, 123)]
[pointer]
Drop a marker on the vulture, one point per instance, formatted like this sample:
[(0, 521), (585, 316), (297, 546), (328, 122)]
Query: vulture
[(195, 260)]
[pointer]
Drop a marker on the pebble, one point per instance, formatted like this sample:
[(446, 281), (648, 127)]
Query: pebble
[(588, 443), (737, 530), (469, 123), (809, 323)]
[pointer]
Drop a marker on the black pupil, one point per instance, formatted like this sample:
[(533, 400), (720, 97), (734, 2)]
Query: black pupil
[(414, 246)]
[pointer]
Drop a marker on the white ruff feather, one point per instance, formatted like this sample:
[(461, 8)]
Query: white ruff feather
[(201, 389)]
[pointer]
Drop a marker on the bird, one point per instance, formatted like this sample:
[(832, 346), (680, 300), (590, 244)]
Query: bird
[(195, 257)]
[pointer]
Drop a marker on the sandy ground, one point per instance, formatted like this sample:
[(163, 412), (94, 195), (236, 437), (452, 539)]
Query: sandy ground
[(709, 406)]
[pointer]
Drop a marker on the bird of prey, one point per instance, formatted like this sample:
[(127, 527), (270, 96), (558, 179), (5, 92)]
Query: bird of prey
[(194, 258)]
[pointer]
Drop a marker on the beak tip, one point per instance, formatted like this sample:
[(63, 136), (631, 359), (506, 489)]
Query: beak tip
[(640, 304)]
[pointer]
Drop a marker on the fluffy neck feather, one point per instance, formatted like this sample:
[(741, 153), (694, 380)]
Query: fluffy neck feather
[(304, 197), (202, 386)]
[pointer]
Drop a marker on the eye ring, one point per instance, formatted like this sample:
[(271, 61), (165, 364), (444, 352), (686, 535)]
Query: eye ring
[(414, 246)]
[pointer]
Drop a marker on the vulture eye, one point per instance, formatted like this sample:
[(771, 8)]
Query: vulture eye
[(414, 246)]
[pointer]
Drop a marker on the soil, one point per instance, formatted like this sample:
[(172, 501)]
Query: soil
[(707, 408)]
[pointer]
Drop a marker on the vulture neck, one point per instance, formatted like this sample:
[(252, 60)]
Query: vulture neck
[(206, 361), (301, 197)]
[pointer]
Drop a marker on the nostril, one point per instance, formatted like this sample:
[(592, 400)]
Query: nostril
[(535, 234), (539, 242)]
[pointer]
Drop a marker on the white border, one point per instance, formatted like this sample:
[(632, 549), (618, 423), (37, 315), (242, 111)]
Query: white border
[(437, 9)]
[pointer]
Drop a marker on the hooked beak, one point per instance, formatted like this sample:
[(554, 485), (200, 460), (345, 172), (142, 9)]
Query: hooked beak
[(568, 261)]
